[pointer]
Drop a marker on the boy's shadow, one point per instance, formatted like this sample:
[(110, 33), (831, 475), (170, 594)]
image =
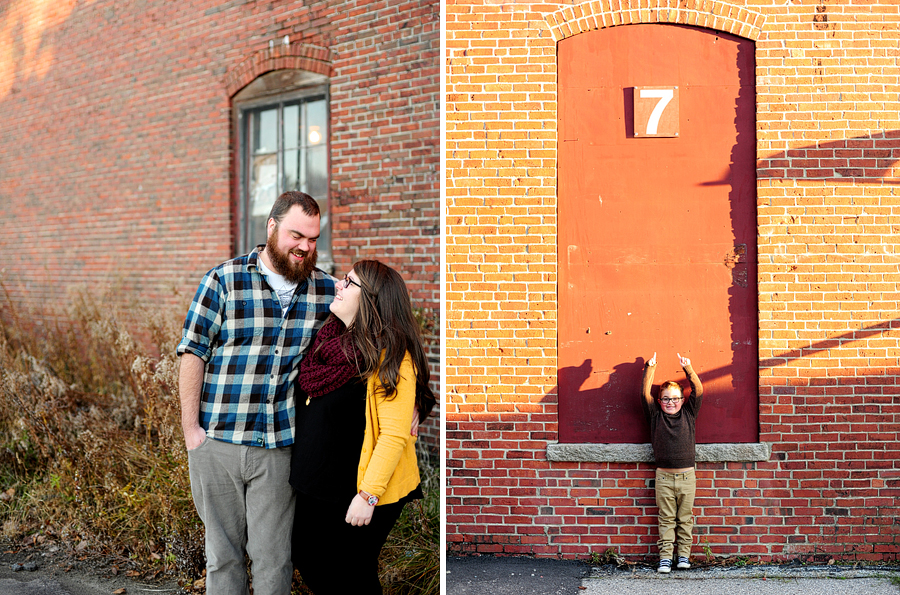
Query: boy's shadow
[(610, 413)]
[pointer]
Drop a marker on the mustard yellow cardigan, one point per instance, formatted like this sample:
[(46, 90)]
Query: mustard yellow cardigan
[(387, 464)]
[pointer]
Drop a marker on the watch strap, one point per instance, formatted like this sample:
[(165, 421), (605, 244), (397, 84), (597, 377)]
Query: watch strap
[(370, 499)]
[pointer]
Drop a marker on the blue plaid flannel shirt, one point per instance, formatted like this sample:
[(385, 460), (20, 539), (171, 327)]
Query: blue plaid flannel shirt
[(252, 352)]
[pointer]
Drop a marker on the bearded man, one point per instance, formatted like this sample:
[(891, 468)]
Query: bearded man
[(246, 331)]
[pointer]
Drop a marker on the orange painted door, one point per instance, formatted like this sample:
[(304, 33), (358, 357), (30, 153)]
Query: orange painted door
[(657, 236)]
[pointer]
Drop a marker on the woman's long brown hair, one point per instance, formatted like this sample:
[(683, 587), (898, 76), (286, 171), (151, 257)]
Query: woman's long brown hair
[(385, 323)]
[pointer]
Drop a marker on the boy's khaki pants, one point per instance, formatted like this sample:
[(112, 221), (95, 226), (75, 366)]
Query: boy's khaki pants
[(675, 499)]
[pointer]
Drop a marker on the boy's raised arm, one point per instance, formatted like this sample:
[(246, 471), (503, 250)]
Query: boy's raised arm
[(647, 384), (696, 386), (695, 400)]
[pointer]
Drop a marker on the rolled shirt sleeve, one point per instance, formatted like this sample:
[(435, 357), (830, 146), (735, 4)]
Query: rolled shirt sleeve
[(204, 318)]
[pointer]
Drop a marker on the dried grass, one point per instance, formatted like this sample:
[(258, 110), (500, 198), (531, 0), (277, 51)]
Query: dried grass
[(90, 433)]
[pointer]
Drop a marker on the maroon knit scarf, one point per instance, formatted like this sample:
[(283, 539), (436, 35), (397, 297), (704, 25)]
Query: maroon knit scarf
[(325, 367)]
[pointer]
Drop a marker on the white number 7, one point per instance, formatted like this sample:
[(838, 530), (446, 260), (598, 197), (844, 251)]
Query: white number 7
[(665, 96)]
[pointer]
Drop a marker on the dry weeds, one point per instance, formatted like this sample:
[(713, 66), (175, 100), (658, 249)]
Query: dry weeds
[(91, 451)]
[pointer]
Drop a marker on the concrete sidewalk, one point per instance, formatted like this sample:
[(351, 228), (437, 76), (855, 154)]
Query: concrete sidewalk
[(526, 576)]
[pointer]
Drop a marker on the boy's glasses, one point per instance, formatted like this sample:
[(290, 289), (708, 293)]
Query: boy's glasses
[(669, 400), (347, 281)]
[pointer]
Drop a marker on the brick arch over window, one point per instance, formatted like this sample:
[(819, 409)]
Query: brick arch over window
[(296, 56), (711, 14)]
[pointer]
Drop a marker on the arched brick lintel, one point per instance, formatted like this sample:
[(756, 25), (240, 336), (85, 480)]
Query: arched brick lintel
[(711, 14), (299, 56)]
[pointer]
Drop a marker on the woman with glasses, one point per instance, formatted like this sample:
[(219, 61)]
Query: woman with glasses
[(362, 386), (672, 419)]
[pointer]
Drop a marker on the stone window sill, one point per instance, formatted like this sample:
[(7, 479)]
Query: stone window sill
[(643, 453)]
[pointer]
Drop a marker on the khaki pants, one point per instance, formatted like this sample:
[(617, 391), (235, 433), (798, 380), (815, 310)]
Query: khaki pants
[(675, 499), (246, 504)]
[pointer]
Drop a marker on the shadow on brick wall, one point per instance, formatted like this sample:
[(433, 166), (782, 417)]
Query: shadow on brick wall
[(625, 379), (862, 159)]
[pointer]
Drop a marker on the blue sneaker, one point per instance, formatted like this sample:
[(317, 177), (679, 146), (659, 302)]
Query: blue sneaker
[(683, 563), (665, 566)]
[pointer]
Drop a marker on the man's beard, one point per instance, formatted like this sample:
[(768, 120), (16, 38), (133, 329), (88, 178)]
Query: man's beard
[(293, 272)]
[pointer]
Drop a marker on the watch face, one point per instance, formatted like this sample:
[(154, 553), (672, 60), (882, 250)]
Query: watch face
[(373, 500)]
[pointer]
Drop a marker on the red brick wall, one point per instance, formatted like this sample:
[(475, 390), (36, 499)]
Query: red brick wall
[(116, 142), (828, 138)]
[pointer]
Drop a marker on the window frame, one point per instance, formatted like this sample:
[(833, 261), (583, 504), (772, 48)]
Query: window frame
[(277, 99)]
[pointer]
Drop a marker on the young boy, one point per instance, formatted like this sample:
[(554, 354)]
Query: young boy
[(672, 420)]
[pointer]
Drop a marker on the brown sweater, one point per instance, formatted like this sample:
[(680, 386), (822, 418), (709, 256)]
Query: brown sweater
[(672, 436)]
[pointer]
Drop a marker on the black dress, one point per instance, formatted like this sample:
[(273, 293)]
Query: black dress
[(332, 555), (329, 434)]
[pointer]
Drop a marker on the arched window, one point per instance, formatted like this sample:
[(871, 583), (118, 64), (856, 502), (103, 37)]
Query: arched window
[(282, 122)]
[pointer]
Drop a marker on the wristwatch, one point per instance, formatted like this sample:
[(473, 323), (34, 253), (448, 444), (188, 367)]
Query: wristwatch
[(369, 498)]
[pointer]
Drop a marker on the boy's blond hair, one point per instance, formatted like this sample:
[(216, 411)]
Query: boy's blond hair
[(670, 384)]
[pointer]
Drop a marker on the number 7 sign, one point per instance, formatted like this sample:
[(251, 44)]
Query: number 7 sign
[(655, 112)]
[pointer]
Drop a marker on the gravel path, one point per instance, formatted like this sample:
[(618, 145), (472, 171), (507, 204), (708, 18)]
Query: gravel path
[(58, 574)]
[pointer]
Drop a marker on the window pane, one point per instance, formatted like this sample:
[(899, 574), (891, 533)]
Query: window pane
[(265, 133), (302, 161), (315, 168), (263, 191), (316, 123), (291, 126), (324, 244), (317, 172), (291, 170)]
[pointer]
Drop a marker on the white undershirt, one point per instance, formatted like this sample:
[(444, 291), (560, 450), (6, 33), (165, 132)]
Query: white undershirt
[(283, 289)]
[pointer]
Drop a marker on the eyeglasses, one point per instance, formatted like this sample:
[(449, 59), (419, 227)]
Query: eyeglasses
[(347, 281), (669, 400)]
